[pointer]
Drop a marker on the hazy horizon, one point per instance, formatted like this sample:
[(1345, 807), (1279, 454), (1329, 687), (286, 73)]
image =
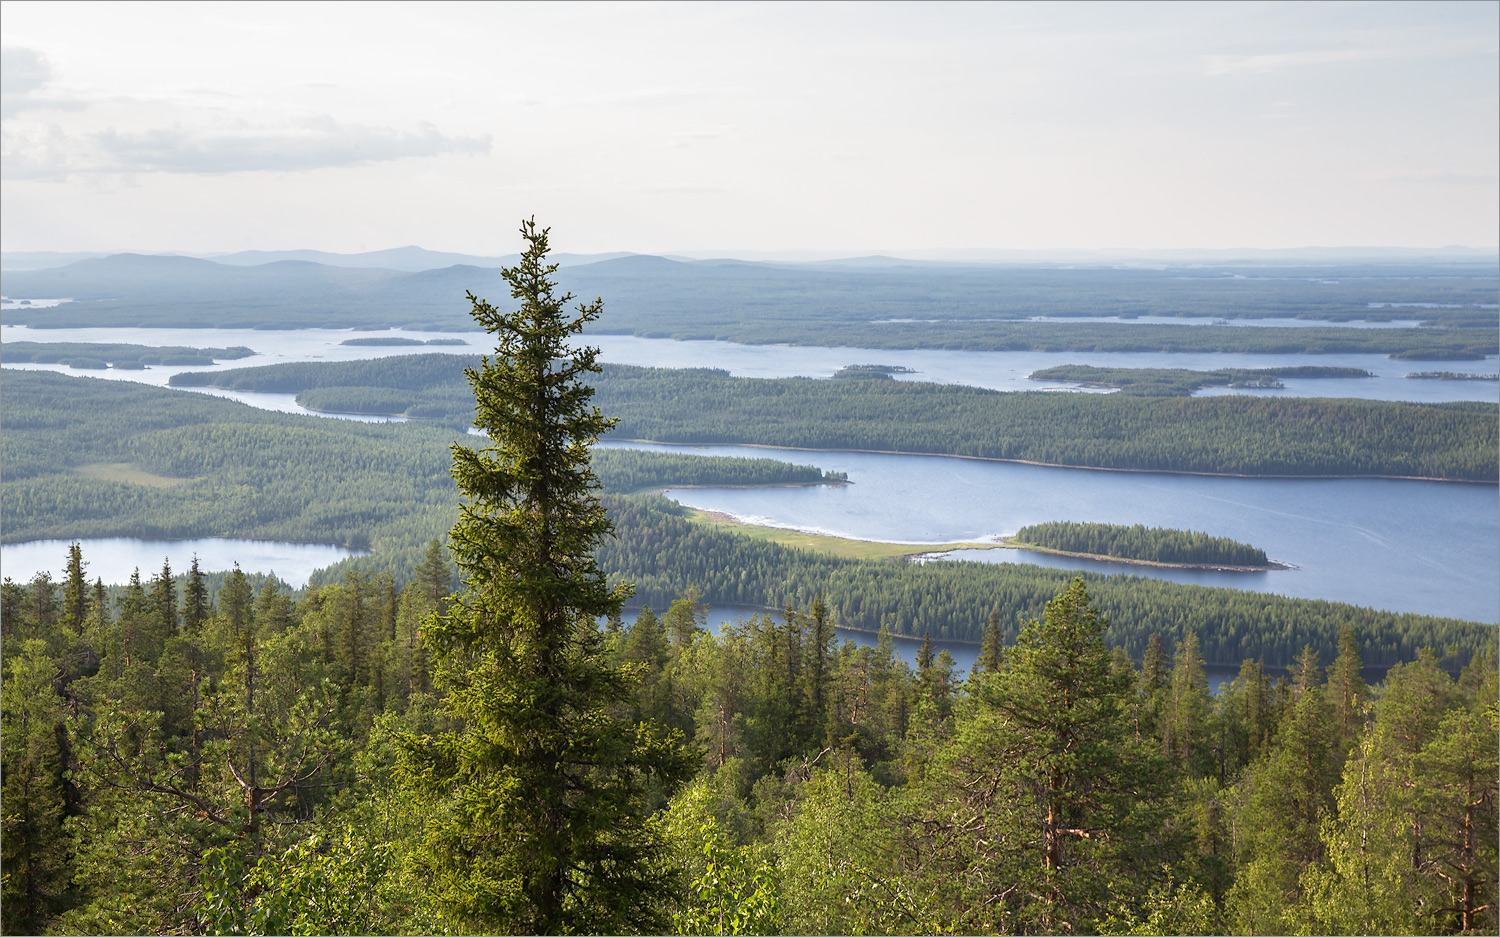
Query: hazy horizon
[(738, 130)]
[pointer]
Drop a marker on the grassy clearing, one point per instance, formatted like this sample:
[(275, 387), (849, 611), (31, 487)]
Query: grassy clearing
[(837, 546), (128, 472)]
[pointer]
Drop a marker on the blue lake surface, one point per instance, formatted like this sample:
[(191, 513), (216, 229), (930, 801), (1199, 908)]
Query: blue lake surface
[(1405, 546), (113, 559), (997, 370)]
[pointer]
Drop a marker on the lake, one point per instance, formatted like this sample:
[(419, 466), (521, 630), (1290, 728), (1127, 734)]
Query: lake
[(997, 370), (114, 558), (1405, 546)]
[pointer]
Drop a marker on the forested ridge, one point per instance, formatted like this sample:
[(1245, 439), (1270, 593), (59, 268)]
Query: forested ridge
[(188, 760), (980, 307), (1217, 435), (1139, 542)]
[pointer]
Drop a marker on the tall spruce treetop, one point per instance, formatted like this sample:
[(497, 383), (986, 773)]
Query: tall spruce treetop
[(539, 820)]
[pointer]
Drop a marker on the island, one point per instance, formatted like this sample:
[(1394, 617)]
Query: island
[(394, 341), (1182, 382), (1451, 376), (1141, 545), (125, 357), (878, 372)]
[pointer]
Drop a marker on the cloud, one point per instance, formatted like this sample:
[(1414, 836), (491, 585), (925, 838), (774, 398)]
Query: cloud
[(682, 189), (316, 143), (24, 74), (1433, 176), (1267, 63)]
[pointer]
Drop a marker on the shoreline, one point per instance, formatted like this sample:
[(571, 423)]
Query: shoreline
[(721, 518), (1082, 468), (847, 547), (1011, 543)]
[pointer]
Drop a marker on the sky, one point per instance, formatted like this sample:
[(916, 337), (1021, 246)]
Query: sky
[(744, 127)]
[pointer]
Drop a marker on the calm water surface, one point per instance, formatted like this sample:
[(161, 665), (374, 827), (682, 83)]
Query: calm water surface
[(1406, 546), (114, 558), (996, 370)]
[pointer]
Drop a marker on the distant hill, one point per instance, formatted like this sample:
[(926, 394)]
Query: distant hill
[(405, 259), (868, 302)]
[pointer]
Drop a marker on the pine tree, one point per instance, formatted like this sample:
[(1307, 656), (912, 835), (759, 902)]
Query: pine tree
[(1347, 691), (164, 598), (992, 650), (540, 820), (75, 592), (235, 599), (195, 604), (434, 576), (1069, 811), (1185, 725), (34, 847)]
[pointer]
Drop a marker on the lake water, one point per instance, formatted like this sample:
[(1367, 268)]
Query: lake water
[(1007, 370), (1405, 546), (114, 558)]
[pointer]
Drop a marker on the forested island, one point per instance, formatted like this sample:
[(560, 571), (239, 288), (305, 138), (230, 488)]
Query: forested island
[(97, 355), (1180, 382), (1452, 376), (1215, 435), (396, 341), (1141, 544), (880, 372)]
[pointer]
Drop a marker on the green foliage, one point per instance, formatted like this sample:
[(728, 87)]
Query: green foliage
[(317, 886), (37, 860), (734, 893), (1138, 542), (834, 794)]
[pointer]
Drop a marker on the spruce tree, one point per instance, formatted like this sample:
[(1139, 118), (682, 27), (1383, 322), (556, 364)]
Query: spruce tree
[(992, 651), (75, 592), (539, 820), (195, 605)]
